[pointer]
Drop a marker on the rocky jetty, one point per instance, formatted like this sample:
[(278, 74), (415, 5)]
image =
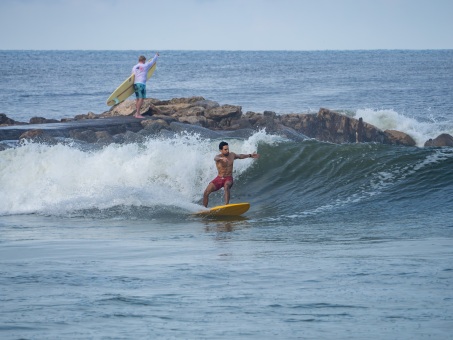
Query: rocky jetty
[(206, 117)]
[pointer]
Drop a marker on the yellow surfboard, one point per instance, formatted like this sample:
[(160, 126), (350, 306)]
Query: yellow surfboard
[(127, 88), (236, 209)]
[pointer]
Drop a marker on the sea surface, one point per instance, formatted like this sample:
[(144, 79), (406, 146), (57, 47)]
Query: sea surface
[(351, 241)]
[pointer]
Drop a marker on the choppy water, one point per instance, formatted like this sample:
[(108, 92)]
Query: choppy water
[(341, 241)]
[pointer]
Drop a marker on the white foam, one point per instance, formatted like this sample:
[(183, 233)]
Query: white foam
[(56, 179), (392, 120)]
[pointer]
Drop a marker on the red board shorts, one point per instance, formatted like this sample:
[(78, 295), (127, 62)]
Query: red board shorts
[(219, 182)]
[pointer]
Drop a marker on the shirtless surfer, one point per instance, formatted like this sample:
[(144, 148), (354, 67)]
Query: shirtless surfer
[(224, 163)]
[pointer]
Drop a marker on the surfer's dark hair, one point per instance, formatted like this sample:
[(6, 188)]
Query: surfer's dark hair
[(222, 144)]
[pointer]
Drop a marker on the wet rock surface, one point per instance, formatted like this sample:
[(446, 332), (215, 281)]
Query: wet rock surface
[(207, 118)]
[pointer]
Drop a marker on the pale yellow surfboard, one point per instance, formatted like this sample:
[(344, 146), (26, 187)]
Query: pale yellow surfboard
[(235, 209), (126, 88)]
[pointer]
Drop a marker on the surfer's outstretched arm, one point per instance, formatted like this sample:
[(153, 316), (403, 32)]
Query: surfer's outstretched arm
[(249, 155)]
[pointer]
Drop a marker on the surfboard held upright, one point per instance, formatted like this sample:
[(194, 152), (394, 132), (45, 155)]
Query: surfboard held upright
[(235, 209), (126, 88)]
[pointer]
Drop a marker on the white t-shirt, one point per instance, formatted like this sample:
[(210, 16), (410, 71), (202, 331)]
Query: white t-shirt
[(141, 69)]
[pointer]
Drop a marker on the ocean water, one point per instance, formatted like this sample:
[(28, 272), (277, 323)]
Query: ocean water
[(347, 241)]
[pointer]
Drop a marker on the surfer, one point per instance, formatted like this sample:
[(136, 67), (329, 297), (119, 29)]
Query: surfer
[(224, 163), (140, 70)]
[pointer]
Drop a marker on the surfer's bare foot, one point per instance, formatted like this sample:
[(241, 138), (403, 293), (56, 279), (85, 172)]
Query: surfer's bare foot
[(139, 116)]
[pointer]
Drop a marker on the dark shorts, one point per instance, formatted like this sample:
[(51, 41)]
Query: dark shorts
[(140, 90), (219, 182)]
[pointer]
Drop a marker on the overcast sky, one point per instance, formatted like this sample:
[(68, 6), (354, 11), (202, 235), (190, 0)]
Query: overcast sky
[(226, 24)]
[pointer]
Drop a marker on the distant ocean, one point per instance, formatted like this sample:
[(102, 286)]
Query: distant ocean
[(347, 241)]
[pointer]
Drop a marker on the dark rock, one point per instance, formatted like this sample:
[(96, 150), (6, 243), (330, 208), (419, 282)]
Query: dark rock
[(113, 125), (103, 137), (37, 136), (268, 120), (167, 119), (5, 121), (88, 136), (223, 114), (306, 124), (116, 129), (206, 104), (89, 115), (360, 131), (151, 123), (335, 128), (127, 108), (150, 110), (42, 120), (198, 115), (132, 137), (193, 115), (153, 127), (442, 140), (194, 120), (399, 138), (119, 138), (167, 134), (331, 126), (372, 134), (189, 100), (240, 123)]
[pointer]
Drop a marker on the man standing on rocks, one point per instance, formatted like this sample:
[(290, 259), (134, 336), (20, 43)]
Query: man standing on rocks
[(224, 163), (141, 70)]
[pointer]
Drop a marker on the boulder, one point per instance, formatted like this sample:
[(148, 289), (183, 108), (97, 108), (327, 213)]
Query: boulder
[(177, 114), (372, 134), (175, 105), (152, 127), (132, 137), (89, 115), (190, 100), (292, 120), (127, 108), (222, 117), (42, 120), (207, 104), (224, 112), (189, 111), (103, 137), (241, 123), (442, 140), (6, 121), (84, 135), (194, 120), (335, 128), (116, 129), (37, 136), (167, 119), (268, 120), (395, 137)]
